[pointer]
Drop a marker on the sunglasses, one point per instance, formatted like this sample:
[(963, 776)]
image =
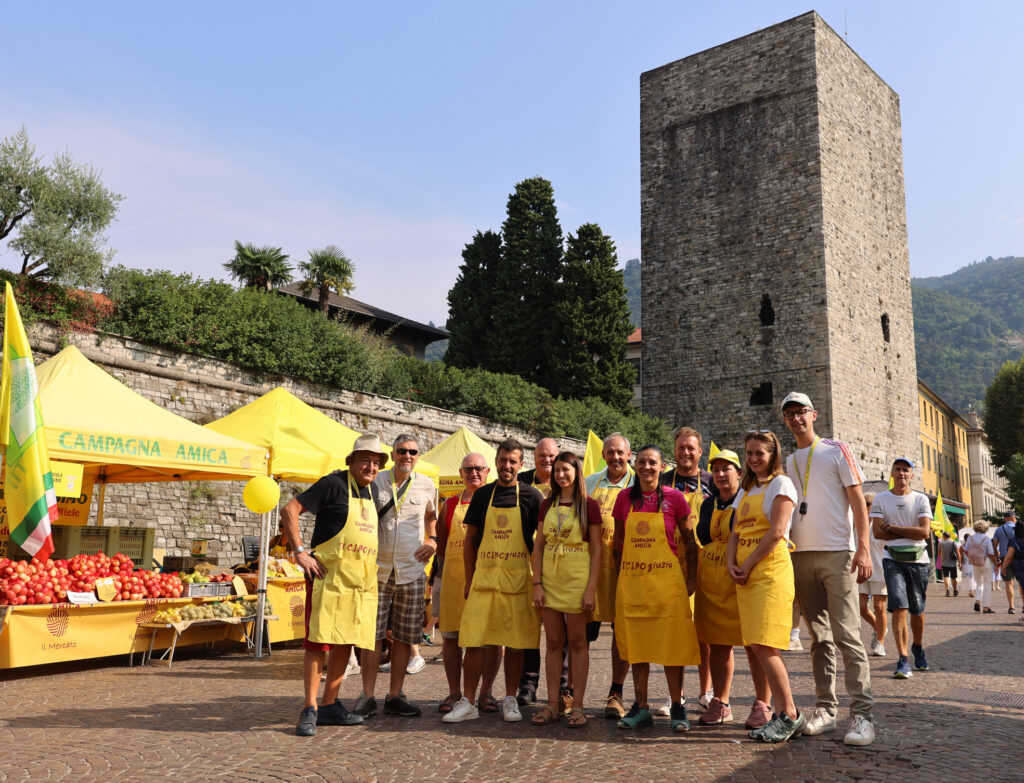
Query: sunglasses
[(475, 468), (412, 452), (758, 432)]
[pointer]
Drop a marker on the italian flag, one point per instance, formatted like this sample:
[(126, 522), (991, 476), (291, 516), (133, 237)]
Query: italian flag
[(31, 500)]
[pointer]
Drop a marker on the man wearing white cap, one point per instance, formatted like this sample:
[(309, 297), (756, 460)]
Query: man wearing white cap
[(832, 555), (902, 519), (341, 577)]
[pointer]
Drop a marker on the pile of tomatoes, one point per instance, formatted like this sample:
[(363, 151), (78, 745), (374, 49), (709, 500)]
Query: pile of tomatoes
[(46, 582)]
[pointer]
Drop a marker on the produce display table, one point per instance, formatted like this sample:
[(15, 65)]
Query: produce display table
[(51, 633), (288, 598), (245, 625)]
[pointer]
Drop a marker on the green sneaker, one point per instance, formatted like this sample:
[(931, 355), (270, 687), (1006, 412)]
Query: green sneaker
[(637, 718), (679, 720), (780, 728)]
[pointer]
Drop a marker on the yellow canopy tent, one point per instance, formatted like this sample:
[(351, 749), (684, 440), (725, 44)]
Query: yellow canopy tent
[(449, 453)]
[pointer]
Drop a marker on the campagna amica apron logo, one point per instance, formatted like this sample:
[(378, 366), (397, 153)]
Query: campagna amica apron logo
[(297, 606), (57, 621)]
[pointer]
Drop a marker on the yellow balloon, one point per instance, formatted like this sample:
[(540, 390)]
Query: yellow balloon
[(261, 494)]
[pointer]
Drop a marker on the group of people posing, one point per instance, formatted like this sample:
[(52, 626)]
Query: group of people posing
[(685, 564)]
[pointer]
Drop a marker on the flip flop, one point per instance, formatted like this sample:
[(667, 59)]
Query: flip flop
[(487, 703), (448, 703), (576, 719), (545, 716)]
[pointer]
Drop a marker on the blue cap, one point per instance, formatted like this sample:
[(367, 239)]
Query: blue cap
[(904, 459)]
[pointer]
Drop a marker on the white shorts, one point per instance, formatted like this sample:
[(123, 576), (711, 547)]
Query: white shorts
[(872, 588)]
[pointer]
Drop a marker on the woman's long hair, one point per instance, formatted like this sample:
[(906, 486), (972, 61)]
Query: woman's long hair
[(768, 438), (579, 488), (636, 495)]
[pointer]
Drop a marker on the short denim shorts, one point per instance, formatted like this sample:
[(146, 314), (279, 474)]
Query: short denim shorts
[(906, 584)]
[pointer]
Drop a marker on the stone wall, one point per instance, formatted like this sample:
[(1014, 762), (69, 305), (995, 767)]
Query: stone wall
[(774, 239), (201, 390)]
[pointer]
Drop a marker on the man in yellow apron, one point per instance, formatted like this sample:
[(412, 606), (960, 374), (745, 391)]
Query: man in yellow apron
[(696, 485), (501, 522), (539, 478), (604, 487), (341, 577)]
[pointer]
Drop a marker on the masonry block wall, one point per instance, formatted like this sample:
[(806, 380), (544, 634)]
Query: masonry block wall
[(774, 242), (202, 390)]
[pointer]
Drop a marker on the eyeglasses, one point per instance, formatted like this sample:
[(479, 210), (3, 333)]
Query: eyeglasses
[(475, 468), (790, 415), (410, 452)]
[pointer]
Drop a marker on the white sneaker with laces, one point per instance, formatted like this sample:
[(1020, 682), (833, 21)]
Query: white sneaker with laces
[(795, 644), (861, 732), (877, 648), (509, 709), (705, 698), (416, 664), (665, 710), (462, 710), (821, 721)]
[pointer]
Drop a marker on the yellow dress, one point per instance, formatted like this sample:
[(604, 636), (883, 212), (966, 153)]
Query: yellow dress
[(716, 612), (766, 600), (566, 564), (453, 577), (344, 602), (653, 619), (500, 610)]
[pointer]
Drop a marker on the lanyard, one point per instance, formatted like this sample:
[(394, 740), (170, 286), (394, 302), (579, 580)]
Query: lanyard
[(807, 472), (394, 493)]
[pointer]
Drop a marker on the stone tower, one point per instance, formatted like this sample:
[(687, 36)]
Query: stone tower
[(774, 243)]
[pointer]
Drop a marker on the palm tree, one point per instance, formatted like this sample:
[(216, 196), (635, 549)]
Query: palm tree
[(328, 269), (262, 268)]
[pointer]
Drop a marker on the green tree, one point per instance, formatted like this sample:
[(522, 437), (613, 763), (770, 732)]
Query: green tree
[(53, 216), (592, 323), (471, 302), (328, 269), (1004, 413), (263, 268), (632, 277)]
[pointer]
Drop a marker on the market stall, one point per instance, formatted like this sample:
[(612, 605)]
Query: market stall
[(449, 453)]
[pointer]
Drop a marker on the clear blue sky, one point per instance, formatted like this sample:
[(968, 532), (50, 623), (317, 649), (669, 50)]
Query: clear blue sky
[(396, 130)]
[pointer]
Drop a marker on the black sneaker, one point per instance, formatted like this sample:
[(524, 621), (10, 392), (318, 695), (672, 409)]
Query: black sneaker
[(307, 723), (920, 662), (399, 705), (337, 715), (366, 706), (677, 712)]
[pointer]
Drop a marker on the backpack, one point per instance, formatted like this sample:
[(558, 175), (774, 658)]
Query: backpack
[(977, 552)]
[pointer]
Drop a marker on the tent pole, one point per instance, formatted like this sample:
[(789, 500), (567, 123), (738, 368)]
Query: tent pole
[(261, 591), (99, 502)]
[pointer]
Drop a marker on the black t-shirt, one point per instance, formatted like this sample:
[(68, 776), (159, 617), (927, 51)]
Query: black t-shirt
[(505, 497), (703, 530), (527, 477), (689, 483), (328, 500)]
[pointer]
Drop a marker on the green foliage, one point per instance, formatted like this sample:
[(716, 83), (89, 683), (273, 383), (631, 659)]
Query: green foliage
[(631, 275), (263, 268), (328, 269), (68, 308), (54, 216), (1004, 413), (472, 302), (1013, 471)]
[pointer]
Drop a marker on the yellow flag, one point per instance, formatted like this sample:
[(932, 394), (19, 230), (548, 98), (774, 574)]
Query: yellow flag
[(593, 461), (940, 522), (712, 453), (28, 491)]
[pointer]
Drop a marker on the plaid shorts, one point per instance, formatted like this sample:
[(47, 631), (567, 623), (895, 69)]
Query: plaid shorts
[(400, 609)]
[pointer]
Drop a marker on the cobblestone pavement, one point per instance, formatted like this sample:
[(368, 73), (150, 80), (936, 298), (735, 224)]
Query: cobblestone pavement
[(222, 716)]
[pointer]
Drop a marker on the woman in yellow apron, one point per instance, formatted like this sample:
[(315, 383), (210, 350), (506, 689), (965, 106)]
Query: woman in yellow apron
[(566, 566), (759, 563), (653, 620), (716, 612)]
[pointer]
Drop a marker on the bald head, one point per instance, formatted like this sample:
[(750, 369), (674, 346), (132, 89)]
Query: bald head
[(474, 472), (544, 454)]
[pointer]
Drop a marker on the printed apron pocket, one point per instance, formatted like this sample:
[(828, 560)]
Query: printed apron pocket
[(512, 582), (642, 597), (356, 574)]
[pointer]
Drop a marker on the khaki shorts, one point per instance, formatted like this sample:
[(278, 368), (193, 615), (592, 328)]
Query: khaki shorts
[(872, 587)]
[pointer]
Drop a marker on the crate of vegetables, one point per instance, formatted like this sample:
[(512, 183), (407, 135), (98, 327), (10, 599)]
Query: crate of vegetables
[(208, 589)]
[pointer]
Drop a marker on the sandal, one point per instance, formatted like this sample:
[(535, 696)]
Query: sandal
[(545, 716), (576, 719), (449, 702), (487, 703)]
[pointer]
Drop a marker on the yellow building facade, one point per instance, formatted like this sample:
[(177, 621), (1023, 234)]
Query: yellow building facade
[(943, 459)]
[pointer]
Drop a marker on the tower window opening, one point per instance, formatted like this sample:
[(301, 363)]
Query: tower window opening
[(885, 327), (762, 395), (767, 313)]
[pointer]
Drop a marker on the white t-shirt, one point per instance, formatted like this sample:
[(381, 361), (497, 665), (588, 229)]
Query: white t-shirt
[(780, 485), (978, 544), (828, 524), (902, 511)]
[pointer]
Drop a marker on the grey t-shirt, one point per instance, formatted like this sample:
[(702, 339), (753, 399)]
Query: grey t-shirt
[(947, 551)]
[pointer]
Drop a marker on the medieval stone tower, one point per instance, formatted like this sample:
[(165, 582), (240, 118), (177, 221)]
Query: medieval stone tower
[(774, 243)]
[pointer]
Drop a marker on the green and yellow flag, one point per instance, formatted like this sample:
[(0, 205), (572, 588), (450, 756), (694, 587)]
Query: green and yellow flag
[(940, 522), (31, 500)]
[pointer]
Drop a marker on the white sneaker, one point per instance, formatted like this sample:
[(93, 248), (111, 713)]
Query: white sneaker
[(705, 698), (794, 643), (384, 667), (821, 721), (877, 648), (462, 710), (416, 664), (353, 665), (509, 710), (665, 710), (861, 731)]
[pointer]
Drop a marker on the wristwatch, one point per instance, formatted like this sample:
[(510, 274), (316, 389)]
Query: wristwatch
[(299, 550)]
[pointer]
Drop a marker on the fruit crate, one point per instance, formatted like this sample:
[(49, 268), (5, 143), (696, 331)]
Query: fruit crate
[(209, 589), (136, 542)]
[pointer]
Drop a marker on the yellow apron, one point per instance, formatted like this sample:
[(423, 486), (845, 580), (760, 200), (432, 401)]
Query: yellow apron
[(500, 610), (766, 600), (716, 613), (344, 605), (453, 577), (653, 619), (604, 607), (566, 568)]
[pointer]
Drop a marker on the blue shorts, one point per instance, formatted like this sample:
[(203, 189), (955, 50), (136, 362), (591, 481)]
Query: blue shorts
[(906, 584)]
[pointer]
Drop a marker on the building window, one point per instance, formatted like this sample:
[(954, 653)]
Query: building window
[(885, 327), (767, 314), (762, 395)]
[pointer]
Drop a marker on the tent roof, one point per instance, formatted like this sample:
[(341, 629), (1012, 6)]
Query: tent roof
[(449, 453), (93, 418)]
